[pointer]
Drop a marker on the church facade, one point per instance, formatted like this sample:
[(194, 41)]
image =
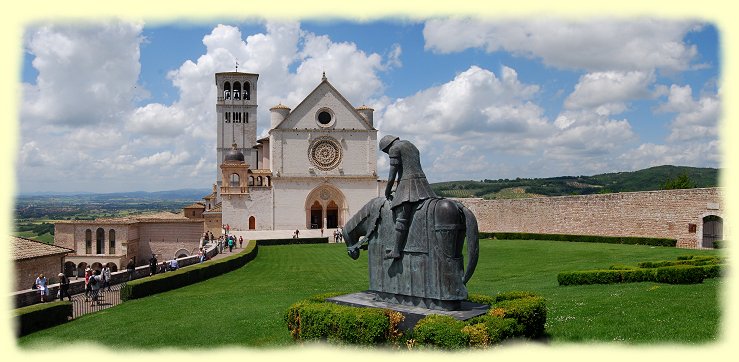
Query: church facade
[(316, 167)]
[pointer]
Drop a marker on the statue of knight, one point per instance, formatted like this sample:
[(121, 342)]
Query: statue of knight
[(413, 188)]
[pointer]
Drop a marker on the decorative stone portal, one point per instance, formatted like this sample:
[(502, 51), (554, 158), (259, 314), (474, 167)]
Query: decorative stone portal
[(325, 207)]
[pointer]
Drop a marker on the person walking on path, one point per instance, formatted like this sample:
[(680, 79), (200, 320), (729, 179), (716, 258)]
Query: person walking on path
[(88, 274), (241, 242), (131, 267), (64, 287), (95, 282), (153, 264), (41, 286), (106, 277), (230, 244)]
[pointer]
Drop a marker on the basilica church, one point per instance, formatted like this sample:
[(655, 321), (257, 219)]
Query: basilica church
[(316, 167)]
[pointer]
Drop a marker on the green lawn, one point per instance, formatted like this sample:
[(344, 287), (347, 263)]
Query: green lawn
[(245, 307)]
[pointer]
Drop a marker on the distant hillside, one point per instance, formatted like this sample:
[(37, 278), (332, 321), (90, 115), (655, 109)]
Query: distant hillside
[(648, 179)]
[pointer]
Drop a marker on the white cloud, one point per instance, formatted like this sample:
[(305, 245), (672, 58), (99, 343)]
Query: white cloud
[(609, 89), (695, 119), (87, 74), (594, 45)]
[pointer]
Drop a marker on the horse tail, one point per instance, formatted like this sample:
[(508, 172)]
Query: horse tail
[(473, 243)]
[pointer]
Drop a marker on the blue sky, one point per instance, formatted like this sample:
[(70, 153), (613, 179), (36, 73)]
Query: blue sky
[(123, 106)]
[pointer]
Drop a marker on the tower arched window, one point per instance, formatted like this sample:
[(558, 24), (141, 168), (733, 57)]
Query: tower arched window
[(259, 180), (251, 180), (237, 88), (227, 90), (88, 241), (247, 90), (111, 241), (99, 241), (234, 180)]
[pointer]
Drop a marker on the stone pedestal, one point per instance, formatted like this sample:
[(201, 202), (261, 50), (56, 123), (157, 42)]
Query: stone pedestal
[(412, 314)]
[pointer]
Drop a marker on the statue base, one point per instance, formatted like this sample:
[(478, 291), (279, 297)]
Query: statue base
[(413, 314)]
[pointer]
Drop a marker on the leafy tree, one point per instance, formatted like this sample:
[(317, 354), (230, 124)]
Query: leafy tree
[(681, 182)]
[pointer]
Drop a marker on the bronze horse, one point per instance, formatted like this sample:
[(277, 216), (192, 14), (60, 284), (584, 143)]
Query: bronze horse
[(430, 272)]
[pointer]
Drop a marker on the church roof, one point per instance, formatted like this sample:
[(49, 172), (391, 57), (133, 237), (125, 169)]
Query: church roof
[(211, 196), (197, 205), (28, 249), (339, 96), (164, 216)]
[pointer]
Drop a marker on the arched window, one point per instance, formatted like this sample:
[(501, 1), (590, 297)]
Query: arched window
[(268, 180), (259, 180), (252, 223), (237, 87), (234, 180), (247, 90), (99, 241), (251, 180), (111, 241), (88, 241), (227, 90)]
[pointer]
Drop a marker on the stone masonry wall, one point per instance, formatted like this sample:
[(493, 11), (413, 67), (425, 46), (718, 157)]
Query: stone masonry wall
[(661, 214), (28, 269)]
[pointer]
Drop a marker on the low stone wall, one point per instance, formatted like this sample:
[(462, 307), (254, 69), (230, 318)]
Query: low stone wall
[(673, 214)]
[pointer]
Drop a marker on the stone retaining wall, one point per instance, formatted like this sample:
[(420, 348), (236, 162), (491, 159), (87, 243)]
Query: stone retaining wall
[(675, 214)]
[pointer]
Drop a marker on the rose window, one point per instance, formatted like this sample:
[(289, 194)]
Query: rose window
[(325, 153)]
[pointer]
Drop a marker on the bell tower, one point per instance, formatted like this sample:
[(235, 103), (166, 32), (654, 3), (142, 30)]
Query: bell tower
[(236, 112)]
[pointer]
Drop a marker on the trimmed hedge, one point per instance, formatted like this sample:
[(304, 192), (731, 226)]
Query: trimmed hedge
[(270, 242), (513, 314), (688, 269), (159, 283), (631, 240), (41, 316)]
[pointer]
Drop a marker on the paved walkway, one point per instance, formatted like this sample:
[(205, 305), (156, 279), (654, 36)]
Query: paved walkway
[(107, 299)]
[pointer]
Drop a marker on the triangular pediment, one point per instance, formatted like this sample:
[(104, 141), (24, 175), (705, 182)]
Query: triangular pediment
[(324, 98)]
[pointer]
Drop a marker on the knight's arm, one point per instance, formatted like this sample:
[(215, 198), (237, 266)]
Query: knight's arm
[(391, 180)]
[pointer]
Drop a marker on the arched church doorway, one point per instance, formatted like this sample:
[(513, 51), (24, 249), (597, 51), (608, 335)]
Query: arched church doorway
[(713, 230), (332, 215), (252, 223), (316, 215), (325, 207)]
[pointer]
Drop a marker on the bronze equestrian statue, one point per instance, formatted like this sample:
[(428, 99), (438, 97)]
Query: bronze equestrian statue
[(414, 238)]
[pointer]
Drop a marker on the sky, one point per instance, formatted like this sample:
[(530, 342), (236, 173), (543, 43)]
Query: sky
[(124, 105)]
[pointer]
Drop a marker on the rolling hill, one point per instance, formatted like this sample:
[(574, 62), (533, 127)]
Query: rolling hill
[(653, 178)]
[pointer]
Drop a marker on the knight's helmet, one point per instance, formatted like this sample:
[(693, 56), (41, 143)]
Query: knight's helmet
[(386, 141)]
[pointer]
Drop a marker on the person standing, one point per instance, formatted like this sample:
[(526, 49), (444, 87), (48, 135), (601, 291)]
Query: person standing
[(88, 289), (41, 286), (106, 275), (95, 282), (153, 264), (241, 242), (131, 267), (64, 287)]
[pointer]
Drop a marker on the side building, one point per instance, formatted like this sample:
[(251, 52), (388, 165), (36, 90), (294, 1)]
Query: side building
[(31, 258), (114, 241)]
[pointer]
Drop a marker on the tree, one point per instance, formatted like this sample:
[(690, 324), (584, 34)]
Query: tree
[(681, 182)]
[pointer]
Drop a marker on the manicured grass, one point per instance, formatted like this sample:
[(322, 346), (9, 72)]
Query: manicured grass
[(245, 307)]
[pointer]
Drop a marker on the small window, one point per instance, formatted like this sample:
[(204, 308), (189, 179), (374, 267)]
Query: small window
[(88, 241), (111, 241), (246, 117), (234, 180)]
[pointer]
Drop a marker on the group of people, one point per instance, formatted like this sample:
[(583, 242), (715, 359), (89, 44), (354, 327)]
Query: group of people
[(95, 281), (338, 236), (229, 241)]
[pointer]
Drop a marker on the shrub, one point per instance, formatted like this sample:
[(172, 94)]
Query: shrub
[(718, 244), (159, 283), (711, 271), (441, 331), (589, 277), (41, 316), (581, 238), (621, 267), (680, 274), (310, 320), (530, 313), (477, 335), (499, 329)]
